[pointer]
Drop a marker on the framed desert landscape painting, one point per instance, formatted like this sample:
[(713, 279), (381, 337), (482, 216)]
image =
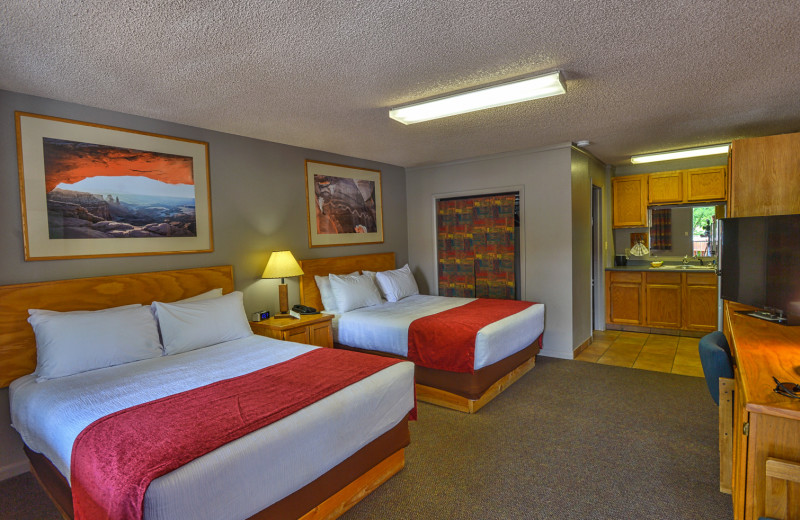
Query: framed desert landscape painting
[(344, 205), (90, 190)]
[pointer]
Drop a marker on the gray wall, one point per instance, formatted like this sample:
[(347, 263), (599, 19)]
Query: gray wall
[(258, 205), (586, 171), (544, 180)]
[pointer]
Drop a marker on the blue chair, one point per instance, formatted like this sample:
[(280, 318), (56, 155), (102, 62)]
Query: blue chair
[(715, 356)]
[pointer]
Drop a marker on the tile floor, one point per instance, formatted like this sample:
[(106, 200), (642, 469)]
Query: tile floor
[(657, 352)]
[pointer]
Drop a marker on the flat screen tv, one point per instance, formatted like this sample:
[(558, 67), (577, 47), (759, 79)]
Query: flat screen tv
[(760, 265)]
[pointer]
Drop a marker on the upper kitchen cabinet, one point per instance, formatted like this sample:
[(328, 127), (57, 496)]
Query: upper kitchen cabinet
[(629, 196), (765, 176), (665, 188), (686, 186), (704, 184)]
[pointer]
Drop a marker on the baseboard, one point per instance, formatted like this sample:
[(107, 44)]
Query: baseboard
[(12, 470), (580, 348)]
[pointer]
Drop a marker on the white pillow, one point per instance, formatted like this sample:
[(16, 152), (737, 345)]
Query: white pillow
[(213, 293), (72, 342), (45, 312), (397, 284), (354, 291), (326, 293), (192, 325)]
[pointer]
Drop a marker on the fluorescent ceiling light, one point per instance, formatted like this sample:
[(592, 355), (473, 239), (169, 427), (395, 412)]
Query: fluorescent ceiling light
[(498, 95), (681, 154)]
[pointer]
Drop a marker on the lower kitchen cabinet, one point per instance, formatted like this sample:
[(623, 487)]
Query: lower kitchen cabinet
[(662, 300)]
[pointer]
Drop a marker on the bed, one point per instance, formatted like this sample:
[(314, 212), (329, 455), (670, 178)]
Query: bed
[(463, 391), (314, 463)]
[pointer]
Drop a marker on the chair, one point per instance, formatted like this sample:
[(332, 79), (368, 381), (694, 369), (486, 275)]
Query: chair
[(715, 356)]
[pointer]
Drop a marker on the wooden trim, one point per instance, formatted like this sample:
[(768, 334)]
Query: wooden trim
[(583, 346), (17, 342), (354, 492), (378, 216), (21, 175), (309, 293), (725, 434), (780, 475), (462, 404)]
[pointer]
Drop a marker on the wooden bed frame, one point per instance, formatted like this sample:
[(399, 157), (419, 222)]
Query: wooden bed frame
[(327, 497), (309, 295)]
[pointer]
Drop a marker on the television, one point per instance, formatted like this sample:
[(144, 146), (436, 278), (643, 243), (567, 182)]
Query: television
[(760, 265)]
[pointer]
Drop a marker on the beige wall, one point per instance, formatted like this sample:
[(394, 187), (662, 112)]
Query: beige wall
[(543, 178), (258, 205)]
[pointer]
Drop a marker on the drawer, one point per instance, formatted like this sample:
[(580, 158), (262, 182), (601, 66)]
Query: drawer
[(701, 279), (664, 278), (625, 276)]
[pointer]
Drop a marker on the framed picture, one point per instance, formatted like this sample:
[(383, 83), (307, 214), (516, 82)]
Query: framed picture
[(91, 190), (344, 205)]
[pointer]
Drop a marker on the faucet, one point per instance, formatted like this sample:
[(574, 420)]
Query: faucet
[(699, 258), (685, 259)]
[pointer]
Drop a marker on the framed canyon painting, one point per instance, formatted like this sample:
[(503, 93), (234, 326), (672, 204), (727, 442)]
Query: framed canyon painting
[(91, 190), (344, 205)]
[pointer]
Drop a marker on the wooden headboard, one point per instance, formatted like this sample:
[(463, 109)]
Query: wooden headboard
[(17, 342), (309, 294)]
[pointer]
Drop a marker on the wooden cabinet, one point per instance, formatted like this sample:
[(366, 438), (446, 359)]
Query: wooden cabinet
[(633, 193), (663, 300), (766, 431), (313, 329), (629, 199), (665, 188), (764, 176), (624, 298), (704, 184), (684, 186), (701, 300)]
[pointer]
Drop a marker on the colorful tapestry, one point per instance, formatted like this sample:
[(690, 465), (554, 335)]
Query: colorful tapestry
[(661, 230), (475, 242)]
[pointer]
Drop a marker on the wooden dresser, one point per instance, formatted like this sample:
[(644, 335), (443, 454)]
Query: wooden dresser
[(766, 430)]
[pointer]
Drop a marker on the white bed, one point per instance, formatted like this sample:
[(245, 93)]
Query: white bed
[(314, 463), (385, 327), (504, 350), (281, 458)]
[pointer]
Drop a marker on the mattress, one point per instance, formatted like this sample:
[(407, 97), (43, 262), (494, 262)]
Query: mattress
[(242, 477), (384, 327)]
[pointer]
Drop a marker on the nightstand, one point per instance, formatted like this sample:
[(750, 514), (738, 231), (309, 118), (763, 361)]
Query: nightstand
[(312, 329)]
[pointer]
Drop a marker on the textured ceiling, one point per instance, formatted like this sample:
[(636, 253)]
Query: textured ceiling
[(641, 76)]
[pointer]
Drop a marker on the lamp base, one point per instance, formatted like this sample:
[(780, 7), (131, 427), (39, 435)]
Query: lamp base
[(283, 300)]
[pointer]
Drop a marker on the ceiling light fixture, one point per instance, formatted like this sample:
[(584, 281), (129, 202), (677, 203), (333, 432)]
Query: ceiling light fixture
[(488, 97), (681, 154)]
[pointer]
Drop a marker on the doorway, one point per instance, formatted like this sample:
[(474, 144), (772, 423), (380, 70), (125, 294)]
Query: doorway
[(598, 278)]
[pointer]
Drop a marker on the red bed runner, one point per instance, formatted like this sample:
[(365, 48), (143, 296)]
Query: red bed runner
[(446, 340), (116, 457)]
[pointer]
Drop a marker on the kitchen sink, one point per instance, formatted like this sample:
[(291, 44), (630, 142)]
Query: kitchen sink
[(703, 267)]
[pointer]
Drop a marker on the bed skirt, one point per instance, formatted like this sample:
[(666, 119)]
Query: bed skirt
[(293, 506), (468, 385)]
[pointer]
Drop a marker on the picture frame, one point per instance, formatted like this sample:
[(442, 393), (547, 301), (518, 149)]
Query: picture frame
[(89, 190), (344, 205)]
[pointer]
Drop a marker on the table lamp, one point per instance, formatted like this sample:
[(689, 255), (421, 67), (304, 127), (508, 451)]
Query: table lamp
[(281, 265)]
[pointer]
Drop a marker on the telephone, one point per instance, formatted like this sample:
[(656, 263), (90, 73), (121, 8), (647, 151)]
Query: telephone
[(302, 309)]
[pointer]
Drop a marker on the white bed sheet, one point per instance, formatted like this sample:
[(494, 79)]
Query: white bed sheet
[(242, 477), (384, 327)]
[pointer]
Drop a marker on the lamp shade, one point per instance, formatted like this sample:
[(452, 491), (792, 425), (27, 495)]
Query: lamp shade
[(282, 264)]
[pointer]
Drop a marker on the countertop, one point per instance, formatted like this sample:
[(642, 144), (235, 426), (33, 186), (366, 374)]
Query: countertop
[(646, 267)]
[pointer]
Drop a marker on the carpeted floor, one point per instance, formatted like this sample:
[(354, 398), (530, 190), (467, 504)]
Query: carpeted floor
[(570, 440)]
